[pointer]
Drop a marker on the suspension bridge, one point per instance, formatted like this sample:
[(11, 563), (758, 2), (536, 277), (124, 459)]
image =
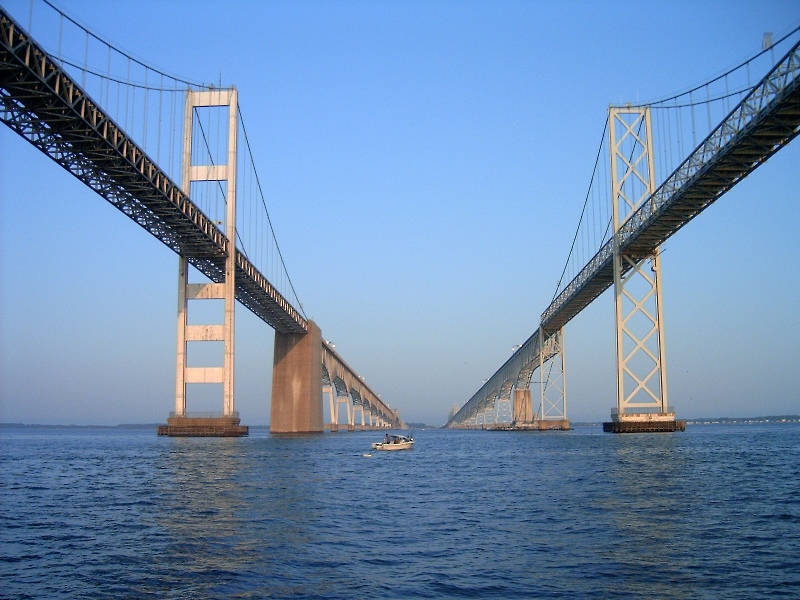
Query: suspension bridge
[(198, 219), (757, 120), (173, 155)]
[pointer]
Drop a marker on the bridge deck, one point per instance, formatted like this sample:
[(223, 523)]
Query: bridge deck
[(44, 105), (720, 162)]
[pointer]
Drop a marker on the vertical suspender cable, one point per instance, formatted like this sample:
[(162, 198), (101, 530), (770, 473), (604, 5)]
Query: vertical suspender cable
[(146, 102), (85, 61), (160, 107)]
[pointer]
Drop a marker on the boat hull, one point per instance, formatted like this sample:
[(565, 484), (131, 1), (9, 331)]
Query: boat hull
[(392, 447)]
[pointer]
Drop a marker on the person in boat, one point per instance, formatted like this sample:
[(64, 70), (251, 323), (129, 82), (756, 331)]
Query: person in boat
[(386, 439)]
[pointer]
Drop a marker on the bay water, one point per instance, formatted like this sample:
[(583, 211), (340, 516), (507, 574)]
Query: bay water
[(713, 512)]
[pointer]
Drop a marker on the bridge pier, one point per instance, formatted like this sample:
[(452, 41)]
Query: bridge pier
[(644, 423), (297, 382), (552, 377)]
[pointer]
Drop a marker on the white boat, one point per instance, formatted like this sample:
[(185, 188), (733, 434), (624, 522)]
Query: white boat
[(394, 442)]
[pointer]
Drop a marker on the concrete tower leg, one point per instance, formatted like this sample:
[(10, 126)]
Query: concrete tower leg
[(297, 382)]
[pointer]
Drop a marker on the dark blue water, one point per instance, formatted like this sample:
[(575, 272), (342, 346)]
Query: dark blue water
[(713, 512)]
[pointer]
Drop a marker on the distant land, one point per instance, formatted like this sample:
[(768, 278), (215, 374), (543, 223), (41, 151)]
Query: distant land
[(774, 419), (124, 426), (700, 421), (728, 420)]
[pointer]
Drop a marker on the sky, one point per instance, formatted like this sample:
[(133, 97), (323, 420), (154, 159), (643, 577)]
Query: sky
[(425, 164)]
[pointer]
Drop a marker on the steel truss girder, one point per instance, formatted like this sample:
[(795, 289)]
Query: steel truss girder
[(40, 102)]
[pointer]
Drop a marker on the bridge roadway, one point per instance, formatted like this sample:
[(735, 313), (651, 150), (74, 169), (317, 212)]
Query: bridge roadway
[(44, 105), (765, 121)]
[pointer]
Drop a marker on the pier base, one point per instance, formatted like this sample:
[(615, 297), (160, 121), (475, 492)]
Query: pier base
[(297, 382), (644, 423), (335, 427), (538, 425), (203, 427)]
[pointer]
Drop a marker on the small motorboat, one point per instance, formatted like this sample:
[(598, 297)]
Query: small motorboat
[(394, 442)]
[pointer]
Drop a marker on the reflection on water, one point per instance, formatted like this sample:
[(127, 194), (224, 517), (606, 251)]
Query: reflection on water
[(647, 513), (712, 512), (231, 507), (199, 509)]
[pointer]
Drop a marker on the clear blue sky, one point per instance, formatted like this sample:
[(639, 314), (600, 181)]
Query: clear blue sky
[(425, 165)]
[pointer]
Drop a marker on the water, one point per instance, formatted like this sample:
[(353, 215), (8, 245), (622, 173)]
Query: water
[(713, 512)]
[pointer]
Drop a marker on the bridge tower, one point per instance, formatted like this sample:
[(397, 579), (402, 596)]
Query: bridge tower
[(552, 381), (550, 364), (224, 175), (641, 367)]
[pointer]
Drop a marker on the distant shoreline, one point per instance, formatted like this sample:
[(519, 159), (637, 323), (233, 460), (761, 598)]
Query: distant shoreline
[(699, 421), (723, 420), (121, 426), (744, 420)]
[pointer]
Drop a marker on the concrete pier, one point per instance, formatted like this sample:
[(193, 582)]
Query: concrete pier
[(205, 426), (522, 406), (644, 426), (644, 423), (297, 382), (536, 425)]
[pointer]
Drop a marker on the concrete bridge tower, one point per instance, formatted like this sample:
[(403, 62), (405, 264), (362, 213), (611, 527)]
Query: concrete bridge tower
[(180, 422)]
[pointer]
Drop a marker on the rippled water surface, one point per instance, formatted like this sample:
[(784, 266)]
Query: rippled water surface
[(713, 512)]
